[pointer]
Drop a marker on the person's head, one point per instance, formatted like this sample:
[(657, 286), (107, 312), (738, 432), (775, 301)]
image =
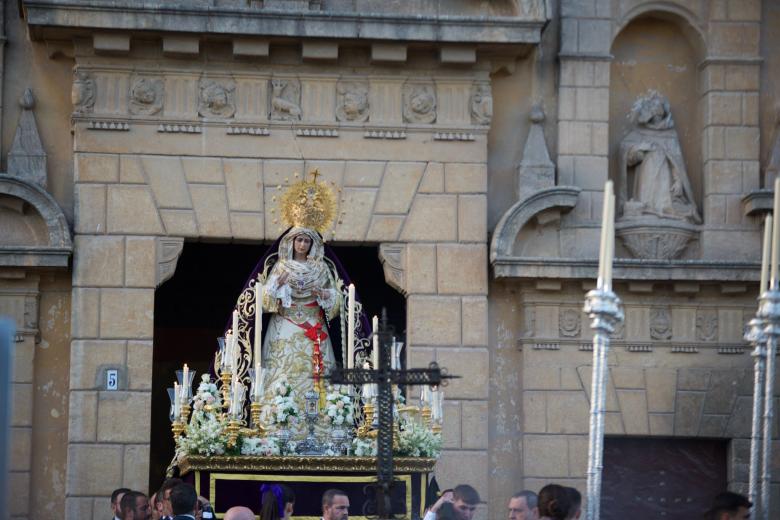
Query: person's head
[(165, 498), (730, 506), (335, 505), (239, 513), (301, 246), (277, 501), (464, 500), (157, 505), (203, 503), (184, 499), (116, 498), (524, 506), (559, 502), (135, 506)]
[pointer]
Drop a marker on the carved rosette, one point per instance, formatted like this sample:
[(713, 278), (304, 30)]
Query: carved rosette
[(652, 237), (419, 102), (217, 98), (83, 92), (481, 104), (285, 100), (146, 96), (352, 102)]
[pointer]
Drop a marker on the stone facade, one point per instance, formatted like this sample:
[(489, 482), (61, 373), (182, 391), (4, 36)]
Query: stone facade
[(470, 146)]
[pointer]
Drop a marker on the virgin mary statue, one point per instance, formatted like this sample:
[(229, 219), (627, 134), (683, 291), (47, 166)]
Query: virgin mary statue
[(303, 288)]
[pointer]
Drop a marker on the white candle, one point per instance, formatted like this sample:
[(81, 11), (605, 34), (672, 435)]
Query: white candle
[(351, 327), (426, 396), (604, 232), (775, 235), (185, 381), (610, 238), (176, 401), (765, 255), (259, 290), (233, 393), (256, 383), (375, 349), (229, 351)]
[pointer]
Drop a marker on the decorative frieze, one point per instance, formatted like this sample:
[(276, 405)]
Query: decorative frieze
[(317, 132), (83, 92), (569, 323), (146, 96), (352, 102), (453, 136), (384, 134), (217, 98), (285, 99), (117, 126), (481, 104), (660, 324), (419, 103), (258, 131), (707, 325), (179, 129)]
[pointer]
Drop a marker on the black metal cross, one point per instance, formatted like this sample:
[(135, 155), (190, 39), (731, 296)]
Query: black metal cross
[(385, 377)]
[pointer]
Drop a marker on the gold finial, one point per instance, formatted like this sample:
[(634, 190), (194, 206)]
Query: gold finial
[(309, 204), (314, 174)]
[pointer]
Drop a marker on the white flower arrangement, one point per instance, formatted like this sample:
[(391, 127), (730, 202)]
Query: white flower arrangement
[(283, 410), (364, 447), (265, 446), (207, 395), (418, 441), (339, 409), (204, 435)]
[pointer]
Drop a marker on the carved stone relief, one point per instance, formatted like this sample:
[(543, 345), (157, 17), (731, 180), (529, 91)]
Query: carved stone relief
[(569, 323), (285, 100), (481, 104), (392, 258), (419, 101), (707, 325), (352, 102), (217, 98), (83, 92), (660, 324), (146, 96)]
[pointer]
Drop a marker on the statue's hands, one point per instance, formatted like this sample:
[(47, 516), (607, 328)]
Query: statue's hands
[(317, 293), (282, 279)]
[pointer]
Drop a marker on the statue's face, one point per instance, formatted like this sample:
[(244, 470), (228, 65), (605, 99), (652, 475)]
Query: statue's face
[(217, 98), (353, 103), (421, 102), (301, 245), (144, 93)]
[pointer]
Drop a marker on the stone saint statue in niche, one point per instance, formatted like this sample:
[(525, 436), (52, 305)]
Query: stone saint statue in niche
[(653, 179)]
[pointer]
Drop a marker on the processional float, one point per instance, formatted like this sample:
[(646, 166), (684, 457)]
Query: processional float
[(352, 420)]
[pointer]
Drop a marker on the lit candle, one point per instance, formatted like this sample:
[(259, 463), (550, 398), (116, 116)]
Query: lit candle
[(229, 351), (185, 381), (775, 235), (351, 327), (610, 238), (375, 349), (259, 290), (765, 255)]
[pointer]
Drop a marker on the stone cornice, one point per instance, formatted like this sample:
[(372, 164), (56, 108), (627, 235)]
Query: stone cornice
[(200, 19)]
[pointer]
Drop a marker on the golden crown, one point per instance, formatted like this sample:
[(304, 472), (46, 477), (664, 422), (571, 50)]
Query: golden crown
[(309, 204)]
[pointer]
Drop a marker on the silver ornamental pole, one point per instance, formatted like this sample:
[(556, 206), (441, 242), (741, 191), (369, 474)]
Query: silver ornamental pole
[(604, 309), (756, 336), (769, 311)]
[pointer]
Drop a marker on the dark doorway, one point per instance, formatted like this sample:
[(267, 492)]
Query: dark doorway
[(192, 308), (675, 479)]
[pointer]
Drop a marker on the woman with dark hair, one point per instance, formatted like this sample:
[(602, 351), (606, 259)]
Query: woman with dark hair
[(559, 503), (277, 501)]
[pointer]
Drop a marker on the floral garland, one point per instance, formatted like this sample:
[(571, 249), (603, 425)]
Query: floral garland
[(418, 441), (265, 446), (339, 409)]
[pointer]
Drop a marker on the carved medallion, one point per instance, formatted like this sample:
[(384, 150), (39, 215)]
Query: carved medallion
[(707, 325), (146, 96), (83, 92), (660, 324), (217, 98), (285, 100), (481, 104), (569, 323), (419, 103), (352, 102)]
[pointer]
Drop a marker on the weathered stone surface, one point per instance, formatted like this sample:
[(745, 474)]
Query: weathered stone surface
[(546, 456), (210, 204), (96, 168), (20, 449), (166, 178), (693, 379), (127, 313), (399, 184), (661, 424), (661, 389), (472, 363), (179, 222), (688, 409), (567, 412), (474, 320), (541, 377), (432, 218), (384, 228), (114, 409), (627, 377), (79, 507), (433, 320), (633, 405), (98, 261), (93, 469), (433, 178), (130, 170), (456, 466), (140, 262), (18, 493), (475, 424), (139, 365), (461, 269), (89, 357), (281, 172), (247, 225), (451, 429), (90, 208), (244, 182), (472, 218), (578, 455), (203, 170), (465, 177), (84, 317), (611, 404), (534, 412), (363, 174), (331, 172), (420, 269), (136, 467), (721, 394), (357, 208), (712, 425), (740, 420), (82, 416)]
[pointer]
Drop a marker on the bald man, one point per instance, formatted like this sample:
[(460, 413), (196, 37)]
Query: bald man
[(239, 513)]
